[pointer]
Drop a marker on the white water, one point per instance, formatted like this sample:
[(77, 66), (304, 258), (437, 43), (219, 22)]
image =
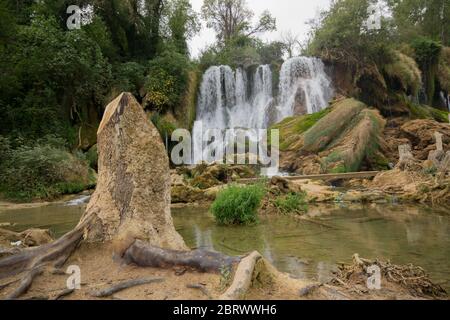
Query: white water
[(79, 201), (238, 99), (304, 86)]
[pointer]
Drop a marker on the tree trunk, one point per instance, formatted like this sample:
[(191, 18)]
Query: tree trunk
[(132, 198)]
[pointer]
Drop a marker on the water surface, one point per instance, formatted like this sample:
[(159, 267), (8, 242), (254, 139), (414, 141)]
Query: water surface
[(306, 249)]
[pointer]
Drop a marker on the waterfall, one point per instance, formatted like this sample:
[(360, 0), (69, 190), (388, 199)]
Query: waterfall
[(244, 99), (226, 101), (304, 87)]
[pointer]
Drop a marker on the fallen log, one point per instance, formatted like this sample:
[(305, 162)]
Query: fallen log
[(145, 255)]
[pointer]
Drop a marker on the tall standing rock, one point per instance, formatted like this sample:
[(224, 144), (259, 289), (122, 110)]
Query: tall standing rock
[(132, 198)]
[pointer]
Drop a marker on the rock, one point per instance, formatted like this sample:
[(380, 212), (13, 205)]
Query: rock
[(187, 194), (27, 238), (340, 141), (36, 237), (205, 181), (282, 185), (132, 198), (177, 179)]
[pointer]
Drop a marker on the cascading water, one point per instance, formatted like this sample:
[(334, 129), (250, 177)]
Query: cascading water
[(226, 101), (304, 87), (230, 100)]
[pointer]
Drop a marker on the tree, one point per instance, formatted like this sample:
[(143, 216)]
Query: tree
[(182, 24), (291, 43), (231, 18)]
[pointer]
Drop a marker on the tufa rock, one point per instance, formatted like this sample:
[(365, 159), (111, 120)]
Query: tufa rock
[(132, 198)]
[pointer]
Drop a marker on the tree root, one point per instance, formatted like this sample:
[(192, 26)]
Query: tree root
[(412, 278), (33, 261), (124, 285), (242, 278), (145, 255), (63, 293), (201, 288), (25, 283)]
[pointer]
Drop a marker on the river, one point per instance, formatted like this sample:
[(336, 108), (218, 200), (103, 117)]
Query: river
[(306, 249)]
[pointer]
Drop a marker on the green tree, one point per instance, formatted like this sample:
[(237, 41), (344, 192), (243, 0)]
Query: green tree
[(182, 24)]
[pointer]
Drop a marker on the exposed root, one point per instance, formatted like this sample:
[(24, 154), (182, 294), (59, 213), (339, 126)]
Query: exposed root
[(309, 289), (145, 255), (25, 283), (201, 288), (124, 285), (412, 278), (33, 261), (63, 293), (242, 278)]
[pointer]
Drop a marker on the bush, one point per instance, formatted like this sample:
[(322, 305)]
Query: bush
[(291, 203), (167, 81), (238, 204), (42, 171)]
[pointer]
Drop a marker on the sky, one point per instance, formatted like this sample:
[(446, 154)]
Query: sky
[(291, 15)]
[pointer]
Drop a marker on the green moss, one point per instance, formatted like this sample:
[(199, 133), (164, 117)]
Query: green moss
[(427, 112), (291, 128), (319, 136)]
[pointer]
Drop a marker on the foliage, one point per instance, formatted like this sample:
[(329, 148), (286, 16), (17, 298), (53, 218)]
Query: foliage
[(444, 69), (182, 24), (41, 171), (291, 203), (167, 81), (49, 75), (129, 76), (405, 70), (238, 204), (164, 127)]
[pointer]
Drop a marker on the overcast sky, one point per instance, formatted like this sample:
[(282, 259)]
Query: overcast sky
[(290, 14)]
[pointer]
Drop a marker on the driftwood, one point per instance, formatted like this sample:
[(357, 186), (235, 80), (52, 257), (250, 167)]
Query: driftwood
[(412, 278), (123, 285), (145, 255)]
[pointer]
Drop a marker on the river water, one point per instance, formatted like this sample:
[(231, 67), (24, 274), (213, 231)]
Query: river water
[(306, 249)]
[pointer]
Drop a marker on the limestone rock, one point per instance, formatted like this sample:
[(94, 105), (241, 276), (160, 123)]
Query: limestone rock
[(132, 198)]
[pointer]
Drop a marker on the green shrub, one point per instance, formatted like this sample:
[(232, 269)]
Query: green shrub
[(167, 81), (291, 203), (238, 204), (42, 171)]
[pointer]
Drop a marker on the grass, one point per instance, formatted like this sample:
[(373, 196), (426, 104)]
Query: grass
[(291, 203), (238, 205)]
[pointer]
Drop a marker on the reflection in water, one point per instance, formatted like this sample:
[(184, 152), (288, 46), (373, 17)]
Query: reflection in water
[(402, 234), (305, 249)]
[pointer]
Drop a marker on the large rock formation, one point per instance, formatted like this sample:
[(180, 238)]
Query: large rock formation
[(132, 198), (338, 140)]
